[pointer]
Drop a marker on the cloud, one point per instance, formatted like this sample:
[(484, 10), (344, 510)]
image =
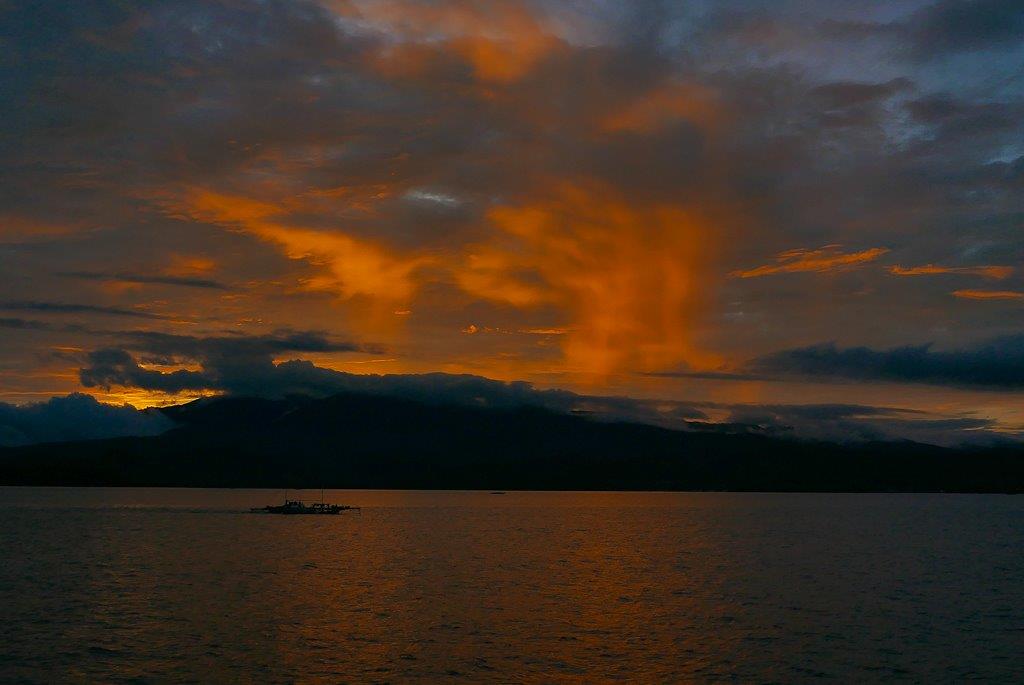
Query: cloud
[(631, 277), (847, 104), (198, 347), (111, 366), (630, 272), (950, 116), (141, 279), (592, 167), (712, 375), (845, 94), (238, 364), (997, 273), (949, 27), (455, 121), (353, 268), (842, 423), (859, 423), (24, 324), (942, 29), (245, 367), (67, 308), (997, 364), (823, 260), (241, 365), (499, 44), (82, 417), (968, 294), (75, 417)]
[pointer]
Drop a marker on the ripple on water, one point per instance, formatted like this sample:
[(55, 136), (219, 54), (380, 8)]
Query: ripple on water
[(168, 585)]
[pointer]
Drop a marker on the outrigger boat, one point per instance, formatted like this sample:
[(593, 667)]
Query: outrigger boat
[(294, 506)]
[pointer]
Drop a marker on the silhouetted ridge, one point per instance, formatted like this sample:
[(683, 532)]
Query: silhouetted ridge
[(228, 412), (357, 440)]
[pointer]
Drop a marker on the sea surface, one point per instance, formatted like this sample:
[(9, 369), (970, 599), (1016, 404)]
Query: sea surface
[(180, 585)]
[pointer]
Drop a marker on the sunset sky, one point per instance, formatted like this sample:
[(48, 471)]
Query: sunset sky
[(737, 207)]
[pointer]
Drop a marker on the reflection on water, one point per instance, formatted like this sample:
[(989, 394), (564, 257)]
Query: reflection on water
[(165, 585)]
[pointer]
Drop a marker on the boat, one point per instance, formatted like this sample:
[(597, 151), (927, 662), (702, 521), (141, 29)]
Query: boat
[(298, 507)]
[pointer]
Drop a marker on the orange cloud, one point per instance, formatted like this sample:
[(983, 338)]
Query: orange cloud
[(15, 228), (633, 280), (988, 294), (189, 265), (504, 61), (629, 278), (352, 267), (663, 107), (544, 331), (822, 260), (500, 41), (997, 273)]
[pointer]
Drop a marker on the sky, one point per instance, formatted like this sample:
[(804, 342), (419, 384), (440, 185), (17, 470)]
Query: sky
[(799, 214)]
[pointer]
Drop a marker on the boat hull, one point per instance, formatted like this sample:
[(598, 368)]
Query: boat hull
[(296, 508)]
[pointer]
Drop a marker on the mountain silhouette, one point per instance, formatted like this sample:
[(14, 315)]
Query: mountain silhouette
[(368, 441)]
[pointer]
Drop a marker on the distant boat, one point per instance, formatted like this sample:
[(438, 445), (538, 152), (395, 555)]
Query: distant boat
[(298, 507)]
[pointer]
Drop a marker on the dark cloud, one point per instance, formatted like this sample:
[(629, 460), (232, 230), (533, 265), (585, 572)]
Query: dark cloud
[(841, 423), (936, 108), (853, 30), (67, 308), (711, 375), (82, 417), (954, 118), (75, 417), (941, 29), (183, 281), (240, 365), (955, 26), (842, 94), (240, 345), (24, 324), (858, 423), (245, 367), (111, 366), (997, 364)]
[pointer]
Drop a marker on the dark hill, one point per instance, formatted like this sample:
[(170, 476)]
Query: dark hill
[(357, 441)]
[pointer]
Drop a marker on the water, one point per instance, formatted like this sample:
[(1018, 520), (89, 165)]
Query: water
[(155, 585)]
